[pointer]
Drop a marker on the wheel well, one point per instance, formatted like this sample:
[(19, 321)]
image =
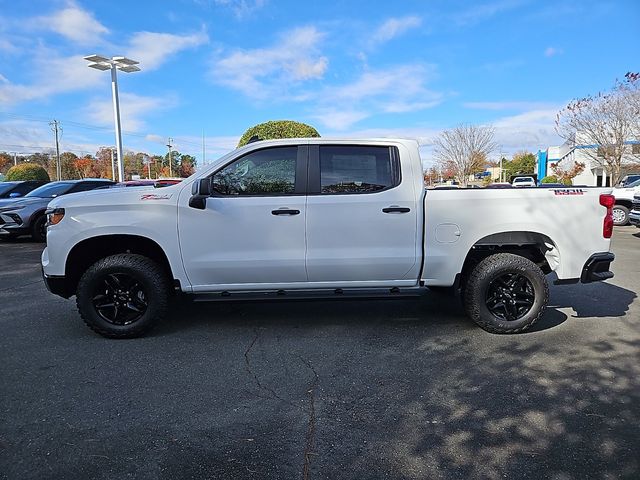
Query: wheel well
[(530, 245), (624, 203), (89, 251)]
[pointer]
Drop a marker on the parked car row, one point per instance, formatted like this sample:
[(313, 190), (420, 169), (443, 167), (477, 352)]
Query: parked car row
[(23, 204)]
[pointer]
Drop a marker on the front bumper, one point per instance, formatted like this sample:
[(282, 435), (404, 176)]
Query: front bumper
[(597, 268), (634, 218), (56, 285), (11, 224)]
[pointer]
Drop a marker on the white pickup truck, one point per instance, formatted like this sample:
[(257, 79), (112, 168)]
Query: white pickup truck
[(320, 217)]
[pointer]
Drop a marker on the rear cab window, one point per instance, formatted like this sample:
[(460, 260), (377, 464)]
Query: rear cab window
[(351, 169)]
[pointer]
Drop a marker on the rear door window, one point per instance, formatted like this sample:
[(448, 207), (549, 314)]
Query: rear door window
[(357, 169)]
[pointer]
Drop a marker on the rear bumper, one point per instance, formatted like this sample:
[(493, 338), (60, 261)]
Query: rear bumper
[(597, 268)]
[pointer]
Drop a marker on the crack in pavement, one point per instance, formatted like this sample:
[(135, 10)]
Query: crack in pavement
[(311, 430), (311, 389), (265, 388)]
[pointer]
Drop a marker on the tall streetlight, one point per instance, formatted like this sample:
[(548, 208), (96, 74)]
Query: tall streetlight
[(123, 64)]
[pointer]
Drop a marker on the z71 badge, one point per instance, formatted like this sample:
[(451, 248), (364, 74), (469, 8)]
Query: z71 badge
[(569, 191), (156, 196)]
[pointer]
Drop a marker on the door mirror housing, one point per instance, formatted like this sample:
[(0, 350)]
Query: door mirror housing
[(200, 191), (15, 195)]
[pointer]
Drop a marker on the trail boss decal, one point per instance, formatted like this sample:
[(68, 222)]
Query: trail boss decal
[(156, 196), (569, 191)]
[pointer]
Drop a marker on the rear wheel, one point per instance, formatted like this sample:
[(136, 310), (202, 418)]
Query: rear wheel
[(123, 296), (506, 293), (620, 215)]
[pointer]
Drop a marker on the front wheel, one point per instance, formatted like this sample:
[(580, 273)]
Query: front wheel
[(506, 293), (123, 296)]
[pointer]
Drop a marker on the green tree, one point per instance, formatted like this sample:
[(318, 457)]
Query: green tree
[(521, 163), (68, 168), (27, 171), (550, 179), (274, 129)]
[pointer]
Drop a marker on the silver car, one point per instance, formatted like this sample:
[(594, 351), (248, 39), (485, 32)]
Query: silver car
[(25, 216)]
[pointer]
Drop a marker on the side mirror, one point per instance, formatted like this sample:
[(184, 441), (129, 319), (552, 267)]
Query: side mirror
[(15, 195), (200, 191)]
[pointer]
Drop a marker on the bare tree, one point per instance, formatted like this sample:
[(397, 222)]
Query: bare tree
[(464, 150), (606, 121)]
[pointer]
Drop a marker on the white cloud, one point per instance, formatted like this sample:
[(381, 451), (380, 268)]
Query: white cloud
[(75, 24), (132, 108), (152, 49), (394, 90), (528, 130), (552, 51), (508, 105), (241, 8), (269, 72), (394, 27), (53, 74), (481, 12)]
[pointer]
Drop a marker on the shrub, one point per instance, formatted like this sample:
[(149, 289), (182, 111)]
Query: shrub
[(275, 129), (550, 179), (27, 171)]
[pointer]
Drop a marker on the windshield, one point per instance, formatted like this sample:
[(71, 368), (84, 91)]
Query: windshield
[(635, 183), (50, 190), (5, 187)]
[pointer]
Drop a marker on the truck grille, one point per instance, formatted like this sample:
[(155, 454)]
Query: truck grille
[(636, 202)]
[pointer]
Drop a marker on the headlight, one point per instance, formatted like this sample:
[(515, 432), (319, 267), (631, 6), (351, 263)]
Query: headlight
[(54, 215)]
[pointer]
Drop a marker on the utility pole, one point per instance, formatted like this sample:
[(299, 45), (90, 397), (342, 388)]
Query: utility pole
[(169, 142), (113, 166), (203, 147), (56, 125), (15, 158)]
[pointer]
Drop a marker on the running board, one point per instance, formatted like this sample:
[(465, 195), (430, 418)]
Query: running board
[(335, 294)]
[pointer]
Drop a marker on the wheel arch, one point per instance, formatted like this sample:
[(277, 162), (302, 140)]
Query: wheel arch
[(90, 250), (535, 246), (624, 202)]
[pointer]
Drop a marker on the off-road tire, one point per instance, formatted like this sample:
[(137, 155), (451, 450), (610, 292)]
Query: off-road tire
[(153, 280), (492, 268)]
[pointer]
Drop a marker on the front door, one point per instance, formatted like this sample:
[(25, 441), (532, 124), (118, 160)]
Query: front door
[(252, 232)]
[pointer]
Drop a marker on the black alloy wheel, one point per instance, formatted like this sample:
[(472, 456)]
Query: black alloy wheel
[(510, 296), (119, 299)]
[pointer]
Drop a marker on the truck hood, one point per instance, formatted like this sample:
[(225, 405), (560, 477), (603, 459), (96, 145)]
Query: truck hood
[(118, 196)]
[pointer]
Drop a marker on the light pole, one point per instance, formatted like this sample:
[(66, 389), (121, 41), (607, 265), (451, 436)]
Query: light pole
[(123, 64), (169, 145)]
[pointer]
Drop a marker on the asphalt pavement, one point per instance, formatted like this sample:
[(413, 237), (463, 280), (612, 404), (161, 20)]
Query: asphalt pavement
[(355, 389)]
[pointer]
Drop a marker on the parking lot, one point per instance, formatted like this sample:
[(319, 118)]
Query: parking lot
[(323, 389)]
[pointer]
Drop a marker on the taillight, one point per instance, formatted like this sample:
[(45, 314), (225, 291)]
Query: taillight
[(608, 201)]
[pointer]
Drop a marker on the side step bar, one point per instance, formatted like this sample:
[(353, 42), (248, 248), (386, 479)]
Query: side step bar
[(335, 294)]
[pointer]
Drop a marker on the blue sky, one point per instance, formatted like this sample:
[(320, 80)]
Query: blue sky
[(349, 68)]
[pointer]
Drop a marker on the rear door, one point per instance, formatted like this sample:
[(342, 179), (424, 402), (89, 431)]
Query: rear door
[(361, 215)]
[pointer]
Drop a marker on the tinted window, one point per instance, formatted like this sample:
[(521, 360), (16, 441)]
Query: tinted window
[(85, 186), (51, 190), (265, 172), (6, 188), (357, 169), (24, 188)]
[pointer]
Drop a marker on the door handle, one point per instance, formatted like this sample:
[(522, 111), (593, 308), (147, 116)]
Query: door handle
[(396, 209), (285, 211)]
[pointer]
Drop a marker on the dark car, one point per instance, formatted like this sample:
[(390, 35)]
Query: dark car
[(25, 216), (18, 189), (633, 177)]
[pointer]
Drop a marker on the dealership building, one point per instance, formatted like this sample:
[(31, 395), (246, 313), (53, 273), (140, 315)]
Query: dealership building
[(571, 152)]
